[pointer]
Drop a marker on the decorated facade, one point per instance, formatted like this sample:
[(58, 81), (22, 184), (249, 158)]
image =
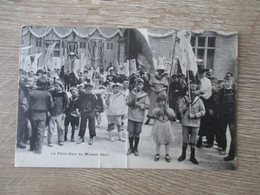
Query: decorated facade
[(54, 47), (215, 50), (96, 49)]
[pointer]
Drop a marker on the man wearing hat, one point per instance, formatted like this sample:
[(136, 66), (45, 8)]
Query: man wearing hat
[(87, 108), (158, 86), (60, 99), (138, 102), (205, 93), (40, 102)]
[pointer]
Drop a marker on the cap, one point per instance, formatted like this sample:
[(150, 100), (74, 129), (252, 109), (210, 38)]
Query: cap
[(192, 84), (87, 85), (59, 83), (74, 89), (161, 97), (202, 69), (116, 85), (41, 82), (160, 68), (42, 71), (139, 80)]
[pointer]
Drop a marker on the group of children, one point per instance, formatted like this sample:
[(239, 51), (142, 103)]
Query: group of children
[(50, 106)]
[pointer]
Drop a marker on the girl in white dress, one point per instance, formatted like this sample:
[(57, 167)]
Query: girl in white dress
[(162, 129)]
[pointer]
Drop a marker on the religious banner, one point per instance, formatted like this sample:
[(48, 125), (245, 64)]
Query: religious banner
[(24, 52), (35, 62), (185, 53), (72, 50), (121, 68), (168, 66), (56, 62), (48, 56), (96, 51)]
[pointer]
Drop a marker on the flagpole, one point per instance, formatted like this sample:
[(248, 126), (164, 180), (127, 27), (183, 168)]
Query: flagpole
[(188, 74), (173, 52)]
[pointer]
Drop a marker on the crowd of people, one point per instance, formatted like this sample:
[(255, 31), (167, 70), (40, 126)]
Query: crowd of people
[(55, 101)]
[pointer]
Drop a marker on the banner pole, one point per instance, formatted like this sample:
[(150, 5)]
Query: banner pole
[(173, 52), (188, 74)]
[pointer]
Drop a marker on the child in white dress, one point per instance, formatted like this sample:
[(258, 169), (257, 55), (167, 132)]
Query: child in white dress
[(116, 106), (162, 129)]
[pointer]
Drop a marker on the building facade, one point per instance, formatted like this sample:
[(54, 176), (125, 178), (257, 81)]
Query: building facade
[(99, 48), (218, 50), (59, 46)]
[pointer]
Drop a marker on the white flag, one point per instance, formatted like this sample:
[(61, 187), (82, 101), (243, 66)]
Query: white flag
[(28, 64), (161, 62), (132, 66), (155, 63), (144, 32), (126, 64), (83, 61), (35, 62), (48, 59), (185, 53)]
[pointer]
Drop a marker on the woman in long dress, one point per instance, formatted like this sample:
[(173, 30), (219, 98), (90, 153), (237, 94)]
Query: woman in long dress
[(158, 86)]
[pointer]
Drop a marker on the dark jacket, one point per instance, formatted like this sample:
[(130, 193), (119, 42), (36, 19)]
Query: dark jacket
[(72, 106), (86, 103), (60, 102), (40, 100), (227, 103), (73, 80)]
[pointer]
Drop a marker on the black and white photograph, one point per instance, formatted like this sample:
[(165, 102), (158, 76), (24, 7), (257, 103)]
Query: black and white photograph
[(98, 97)]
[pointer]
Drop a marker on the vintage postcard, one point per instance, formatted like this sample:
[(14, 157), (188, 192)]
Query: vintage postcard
[(96, 97)]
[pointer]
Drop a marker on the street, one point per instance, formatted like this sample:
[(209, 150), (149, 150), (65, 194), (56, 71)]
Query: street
[(106, 154)]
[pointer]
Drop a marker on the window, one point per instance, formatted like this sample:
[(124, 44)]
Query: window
[(204, 48), (38, 42), (56, 49), (110, 45), (82, 45)]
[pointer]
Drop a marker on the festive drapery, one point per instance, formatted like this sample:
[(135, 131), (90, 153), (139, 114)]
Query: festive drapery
[(161, 33), (166, 33), (62, 32)]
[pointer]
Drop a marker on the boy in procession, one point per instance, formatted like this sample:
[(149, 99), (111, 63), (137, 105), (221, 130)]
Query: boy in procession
[(72, 114), (191, 109), (87, 107), (116, 108), (138, 101), (60, 100)]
